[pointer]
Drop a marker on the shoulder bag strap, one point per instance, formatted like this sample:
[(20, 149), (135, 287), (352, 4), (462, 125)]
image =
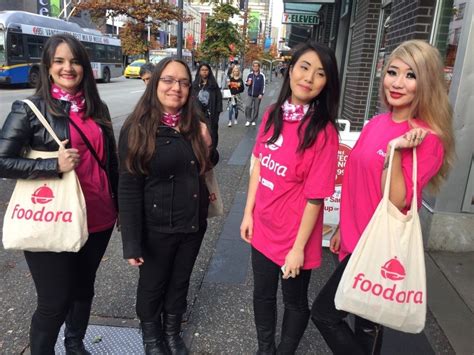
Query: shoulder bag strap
[(88, 144), (43, 120)]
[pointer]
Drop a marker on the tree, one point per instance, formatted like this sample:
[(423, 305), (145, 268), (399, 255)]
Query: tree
[(141, 14), (222, 37)]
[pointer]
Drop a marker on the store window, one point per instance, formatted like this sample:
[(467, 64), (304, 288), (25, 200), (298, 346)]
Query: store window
[(448, 31)]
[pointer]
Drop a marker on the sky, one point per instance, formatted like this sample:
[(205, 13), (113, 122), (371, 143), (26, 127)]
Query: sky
[(277, 13)]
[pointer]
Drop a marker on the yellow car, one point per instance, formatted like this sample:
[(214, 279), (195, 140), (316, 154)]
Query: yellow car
[(133, 69)]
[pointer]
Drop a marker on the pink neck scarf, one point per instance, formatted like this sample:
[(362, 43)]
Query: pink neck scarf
[(293, 113), (77, 100), (171, 120)]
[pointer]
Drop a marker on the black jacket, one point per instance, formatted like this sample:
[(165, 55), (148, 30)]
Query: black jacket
[(22, 131), (214, 107), (236, 86), (172, 198)]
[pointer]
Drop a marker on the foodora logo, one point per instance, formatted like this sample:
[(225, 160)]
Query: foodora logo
[(41, 196), (392, 270)]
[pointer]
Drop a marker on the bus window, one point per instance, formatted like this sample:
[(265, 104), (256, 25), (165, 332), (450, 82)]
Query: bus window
[(111, 54), (100, 52), (90, 50), (16, 46), (2, 48), (35, 46)]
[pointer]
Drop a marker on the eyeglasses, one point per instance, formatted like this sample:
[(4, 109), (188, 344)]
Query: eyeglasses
[(183, 83)]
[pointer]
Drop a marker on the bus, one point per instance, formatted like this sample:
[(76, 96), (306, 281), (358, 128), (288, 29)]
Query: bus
[(158, 54), (22, 37)]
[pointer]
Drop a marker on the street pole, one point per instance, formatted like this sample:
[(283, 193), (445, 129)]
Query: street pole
[(244, 30), (179, 35)]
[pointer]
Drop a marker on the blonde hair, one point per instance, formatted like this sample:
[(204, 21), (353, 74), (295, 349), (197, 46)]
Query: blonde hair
[(236, 68), (431, 103)]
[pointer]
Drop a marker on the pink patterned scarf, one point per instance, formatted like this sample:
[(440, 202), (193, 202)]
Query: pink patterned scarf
[(171, 120), (293, 113), (77, 100)]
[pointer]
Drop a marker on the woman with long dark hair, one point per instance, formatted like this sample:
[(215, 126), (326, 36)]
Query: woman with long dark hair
[(164, 150), (295, 165), (67, 96), (412, 81), (208, 95)]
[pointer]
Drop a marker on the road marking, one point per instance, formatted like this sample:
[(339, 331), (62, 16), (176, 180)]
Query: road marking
[(133, 92)]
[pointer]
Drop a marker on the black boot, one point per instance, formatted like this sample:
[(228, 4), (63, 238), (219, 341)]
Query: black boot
[(339, 337), (172, 325), (153, 339), (77, 320), (41, 342), (292, 330), (369, 335)]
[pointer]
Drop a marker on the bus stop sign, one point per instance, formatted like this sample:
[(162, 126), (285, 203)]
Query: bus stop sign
[(300, 19)]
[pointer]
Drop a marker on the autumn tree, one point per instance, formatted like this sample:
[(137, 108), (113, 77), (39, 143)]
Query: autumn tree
[(141, 15), (222, 38)]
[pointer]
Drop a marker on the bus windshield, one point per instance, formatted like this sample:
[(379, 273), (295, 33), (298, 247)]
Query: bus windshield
[(2, 47)]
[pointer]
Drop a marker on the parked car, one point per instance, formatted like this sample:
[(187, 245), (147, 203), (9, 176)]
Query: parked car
[(133, 69)]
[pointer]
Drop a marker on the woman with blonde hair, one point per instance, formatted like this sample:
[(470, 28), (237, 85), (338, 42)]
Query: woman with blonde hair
[(414, 91), (236, 86)]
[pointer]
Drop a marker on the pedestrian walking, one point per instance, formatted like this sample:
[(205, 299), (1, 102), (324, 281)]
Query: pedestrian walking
[(68, 98), (236, 86), (208, 94), (412, 81), (295, 165), (256, 88), (164, 150), (146, 70)]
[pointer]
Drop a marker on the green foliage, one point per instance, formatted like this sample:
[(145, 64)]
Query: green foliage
[(223, 38)]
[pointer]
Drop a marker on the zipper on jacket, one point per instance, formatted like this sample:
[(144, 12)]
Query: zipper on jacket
[(172, 197)]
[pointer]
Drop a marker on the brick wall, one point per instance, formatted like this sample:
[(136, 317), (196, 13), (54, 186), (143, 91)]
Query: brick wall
[(360, 62), (409, 19)]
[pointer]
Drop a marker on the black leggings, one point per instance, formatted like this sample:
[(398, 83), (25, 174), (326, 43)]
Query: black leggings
[(63, 278)]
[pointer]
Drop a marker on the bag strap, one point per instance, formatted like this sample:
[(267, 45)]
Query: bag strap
[(414, 201), (43, 120), (88, 144)]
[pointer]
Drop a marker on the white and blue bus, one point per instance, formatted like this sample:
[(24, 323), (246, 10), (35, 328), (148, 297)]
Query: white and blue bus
[(22, 37)]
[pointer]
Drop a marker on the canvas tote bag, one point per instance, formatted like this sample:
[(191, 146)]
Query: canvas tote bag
[(46, 214), (385, 279), (216, 207)]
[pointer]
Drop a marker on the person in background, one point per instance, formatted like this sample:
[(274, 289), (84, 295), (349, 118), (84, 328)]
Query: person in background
[(230, 69), (164, 149), (208, 94), (411, 81), (236, 86), (295, 165), (66, 93), (146, 70), (256, 88)]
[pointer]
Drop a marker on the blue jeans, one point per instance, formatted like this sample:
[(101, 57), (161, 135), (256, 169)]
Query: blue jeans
[(233, 109)]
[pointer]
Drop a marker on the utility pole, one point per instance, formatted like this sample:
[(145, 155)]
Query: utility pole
[(244, 29), (179, 35)]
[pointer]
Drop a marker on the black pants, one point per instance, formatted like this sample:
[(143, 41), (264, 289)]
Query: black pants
[(367, 338), (63, 278), (295, 298), (164, 276)]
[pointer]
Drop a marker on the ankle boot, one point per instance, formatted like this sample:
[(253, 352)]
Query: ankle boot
[(153, 340), (172, 325), (41, 342), (339, 337), (369, 335), (77, 320)]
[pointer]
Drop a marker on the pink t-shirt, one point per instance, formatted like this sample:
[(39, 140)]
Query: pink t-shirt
[(362, 185), (101, 211), (287, 180)]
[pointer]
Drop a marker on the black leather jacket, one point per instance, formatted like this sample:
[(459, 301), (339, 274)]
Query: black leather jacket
[(172, 198), (22, 131)]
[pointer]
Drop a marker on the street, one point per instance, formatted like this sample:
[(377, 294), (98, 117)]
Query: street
[(219, 319)]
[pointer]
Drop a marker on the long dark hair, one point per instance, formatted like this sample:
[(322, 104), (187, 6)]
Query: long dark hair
[(95, 108), (323, 108), (142, 125), (211, 80)]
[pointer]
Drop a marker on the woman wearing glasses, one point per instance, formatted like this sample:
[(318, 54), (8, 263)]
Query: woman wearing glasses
[(164, 150)]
